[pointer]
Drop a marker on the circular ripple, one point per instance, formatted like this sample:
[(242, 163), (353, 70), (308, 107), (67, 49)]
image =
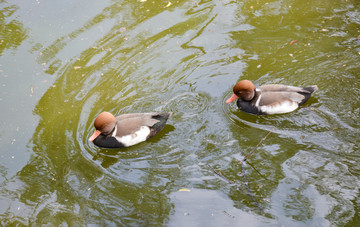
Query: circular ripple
[(234, 115), (185, 105)]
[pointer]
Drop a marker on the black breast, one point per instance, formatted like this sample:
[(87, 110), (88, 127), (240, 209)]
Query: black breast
[(107, 142), (248, 107)]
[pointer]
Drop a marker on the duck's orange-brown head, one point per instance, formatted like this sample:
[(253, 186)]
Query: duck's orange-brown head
[(104, 124), (244, 89)]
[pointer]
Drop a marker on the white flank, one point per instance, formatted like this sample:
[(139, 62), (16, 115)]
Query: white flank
[(137, 137), (284, 107)]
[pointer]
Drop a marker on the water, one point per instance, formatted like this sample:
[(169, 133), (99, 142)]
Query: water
[(63, 63)]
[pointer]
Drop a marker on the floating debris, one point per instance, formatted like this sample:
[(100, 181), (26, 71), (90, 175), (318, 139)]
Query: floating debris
[(227, 214), (252, 152), (31, 90), (293, 42), (281, 19), (184, 190)]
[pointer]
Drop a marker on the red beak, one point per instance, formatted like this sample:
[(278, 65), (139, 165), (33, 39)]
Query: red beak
[(232, 98), (96, 134)]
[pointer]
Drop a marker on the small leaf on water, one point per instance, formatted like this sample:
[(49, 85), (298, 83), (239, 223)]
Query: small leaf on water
[(184, 190), (293, 42)]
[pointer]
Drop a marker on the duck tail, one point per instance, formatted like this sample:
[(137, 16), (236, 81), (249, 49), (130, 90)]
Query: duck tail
[(157, 127), (162, 116), (311, 89)]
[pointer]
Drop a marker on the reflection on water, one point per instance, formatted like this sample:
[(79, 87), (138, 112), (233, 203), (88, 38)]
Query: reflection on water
[(12, 31), (219, 210), (184, 57)]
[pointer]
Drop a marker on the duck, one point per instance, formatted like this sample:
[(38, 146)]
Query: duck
[(127, 129), (269, 99)]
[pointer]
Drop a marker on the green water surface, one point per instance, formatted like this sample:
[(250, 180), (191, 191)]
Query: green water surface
[(64, 62)]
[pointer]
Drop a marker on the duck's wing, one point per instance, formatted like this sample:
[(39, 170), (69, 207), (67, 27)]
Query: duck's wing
[(128, 124), (284, 88), (135, 115), (277, 93), (276, 98)]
